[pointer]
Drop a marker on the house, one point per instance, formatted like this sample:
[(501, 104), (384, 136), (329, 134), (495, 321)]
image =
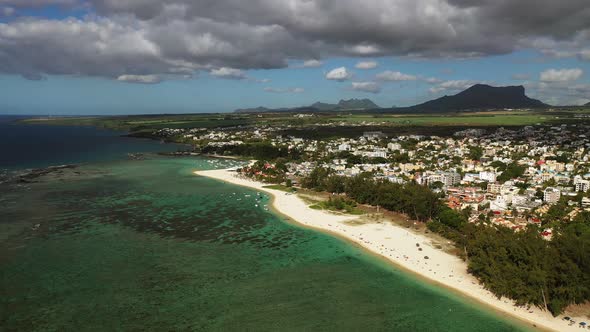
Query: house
[(488, 176), (450, 178), (374, 134), (551, 195), (376, 154), (494, 188), (344, 147), (394, 146), (499, 204), (581, 184)]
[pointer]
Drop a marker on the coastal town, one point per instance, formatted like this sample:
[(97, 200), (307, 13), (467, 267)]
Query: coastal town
[(507, 177)]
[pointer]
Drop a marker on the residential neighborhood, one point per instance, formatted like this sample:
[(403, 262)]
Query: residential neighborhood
[(508, 177)]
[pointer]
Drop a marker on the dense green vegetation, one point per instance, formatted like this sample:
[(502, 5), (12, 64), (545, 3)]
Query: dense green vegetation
[(519, 265), (525, 267), (417, 201), (522, 265), (511, 171), (255, 150)]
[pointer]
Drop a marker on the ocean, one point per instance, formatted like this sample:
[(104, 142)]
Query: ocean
[(30, 146), (136, 245)]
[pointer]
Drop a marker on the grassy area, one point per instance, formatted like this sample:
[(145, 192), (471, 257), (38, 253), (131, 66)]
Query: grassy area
[(137, 123), (395, 122), (517, 119)]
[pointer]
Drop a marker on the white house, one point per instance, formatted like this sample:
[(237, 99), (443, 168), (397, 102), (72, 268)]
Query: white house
[(488, 176), (552, 195)]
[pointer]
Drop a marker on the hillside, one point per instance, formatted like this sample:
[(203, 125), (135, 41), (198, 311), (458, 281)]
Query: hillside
[(479, 96), (324, 106), (357, 104)]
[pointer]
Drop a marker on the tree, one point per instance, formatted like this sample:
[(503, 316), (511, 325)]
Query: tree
[(475, 152), (437, 185), (498, 165), (452, 218), (353, 160), (334, 184), (316, 179), (512, 171)]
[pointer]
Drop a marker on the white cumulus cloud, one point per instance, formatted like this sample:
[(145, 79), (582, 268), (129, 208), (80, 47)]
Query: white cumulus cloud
[(432, 80), (395, 76), (561, 75), (311, 63), (229, 73), (453, 85), (144, 79), (339, 74)]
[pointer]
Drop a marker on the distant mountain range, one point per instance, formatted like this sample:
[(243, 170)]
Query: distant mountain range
[(347, 105), (343, 105), (477, 97)]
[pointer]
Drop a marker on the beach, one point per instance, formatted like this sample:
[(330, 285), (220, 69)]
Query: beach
[(403, 247)]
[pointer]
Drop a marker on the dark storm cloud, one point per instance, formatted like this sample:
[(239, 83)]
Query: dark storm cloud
[(545, 17), (179, 37)]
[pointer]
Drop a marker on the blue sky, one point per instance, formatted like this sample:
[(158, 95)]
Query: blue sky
[(67, 57)]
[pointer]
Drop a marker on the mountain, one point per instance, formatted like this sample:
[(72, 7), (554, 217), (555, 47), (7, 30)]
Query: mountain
[(324, 106), (346, 105), (343, 105), (588, 104), (479, 96), (357, 104)]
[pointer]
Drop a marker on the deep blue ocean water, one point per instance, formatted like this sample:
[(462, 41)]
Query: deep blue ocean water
[(34, 146)]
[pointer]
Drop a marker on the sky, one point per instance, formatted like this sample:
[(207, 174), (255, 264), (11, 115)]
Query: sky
[(88, 57)]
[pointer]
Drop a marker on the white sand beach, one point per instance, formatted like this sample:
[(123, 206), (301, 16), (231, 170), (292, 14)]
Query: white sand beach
[(399, 245)]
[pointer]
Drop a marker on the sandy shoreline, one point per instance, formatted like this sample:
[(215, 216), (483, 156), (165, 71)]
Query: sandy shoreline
[(398, 245)]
